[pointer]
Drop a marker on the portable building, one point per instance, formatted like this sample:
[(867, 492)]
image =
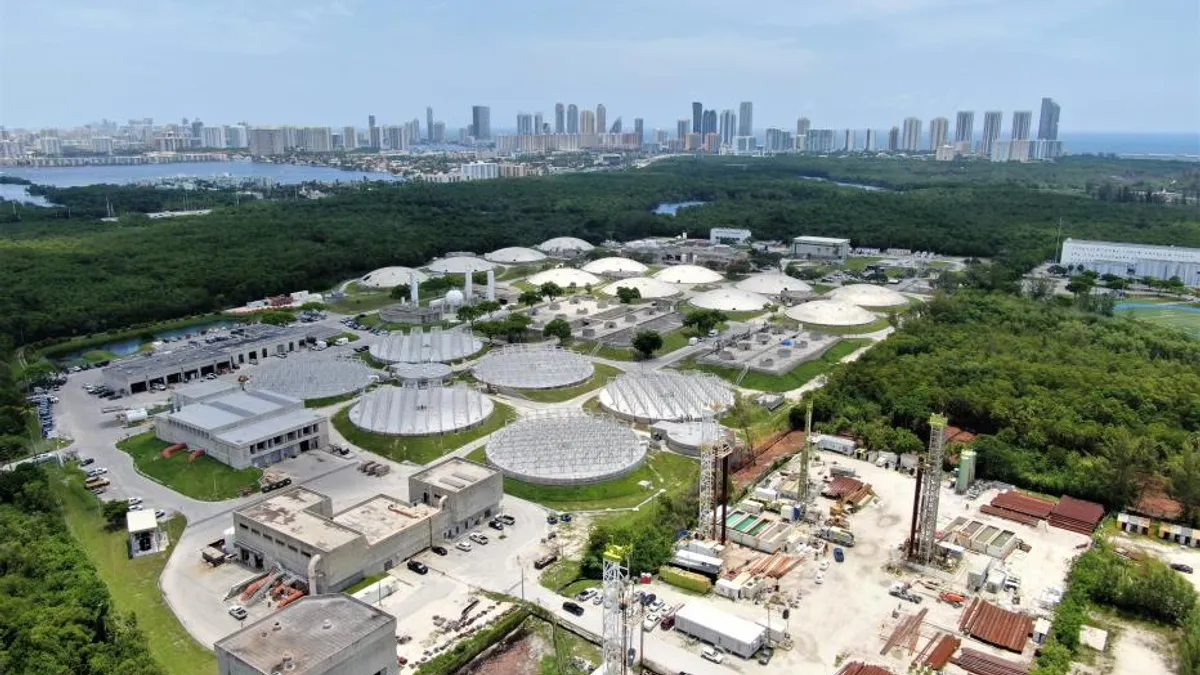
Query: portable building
[(720, 629)]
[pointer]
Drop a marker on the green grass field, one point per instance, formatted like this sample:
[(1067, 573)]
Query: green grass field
[(133, 584), (788, 381), (1186, 320), (876, 325), (598, 379), (204, 478), (671, 472), (859, 264), (419, 449), (364, 301), (672, 340)]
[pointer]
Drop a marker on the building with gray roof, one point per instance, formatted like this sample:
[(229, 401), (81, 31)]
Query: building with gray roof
[(316, 635)]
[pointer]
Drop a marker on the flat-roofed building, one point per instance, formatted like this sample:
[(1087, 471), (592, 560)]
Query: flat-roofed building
[(468, 493), (315, 635), (820, 248), (1133, 260), (241, 428)]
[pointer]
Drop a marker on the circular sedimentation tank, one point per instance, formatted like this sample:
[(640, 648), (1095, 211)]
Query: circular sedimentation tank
[(868, 295), (420, 346), (666, 395), (830, 313), (421, 411), (689, 275), (533, 367), (571, 449), (312, 376)]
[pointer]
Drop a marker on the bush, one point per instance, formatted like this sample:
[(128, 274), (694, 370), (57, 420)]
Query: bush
[(689, 581)]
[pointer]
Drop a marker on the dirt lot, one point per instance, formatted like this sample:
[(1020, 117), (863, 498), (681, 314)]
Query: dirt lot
[(1140, 651), (789, 444)]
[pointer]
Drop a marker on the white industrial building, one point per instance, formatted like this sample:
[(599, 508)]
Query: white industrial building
[(316, 635), (729, 235), (1134, 260), (820, 248), (466, 493), (720, 629), (241, 428), (145, 536)]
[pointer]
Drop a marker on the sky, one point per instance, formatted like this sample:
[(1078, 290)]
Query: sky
[(1113, 65)]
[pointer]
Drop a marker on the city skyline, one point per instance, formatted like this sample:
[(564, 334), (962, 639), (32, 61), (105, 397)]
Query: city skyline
[(93, 57)]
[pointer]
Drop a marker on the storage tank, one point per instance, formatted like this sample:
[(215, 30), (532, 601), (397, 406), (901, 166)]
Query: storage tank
[(966, 471), (133, 416)]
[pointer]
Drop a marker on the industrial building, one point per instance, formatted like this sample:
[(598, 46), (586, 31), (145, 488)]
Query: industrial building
[(145, 536), (820, 248), (466, 493), (720, 629), (729, 235), (1133, 260), (241, 428), (316, 635), (244, 345)]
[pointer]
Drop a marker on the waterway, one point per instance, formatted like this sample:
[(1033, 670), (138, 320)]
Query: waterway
[(133, 345), (860, 186), (672, 208)]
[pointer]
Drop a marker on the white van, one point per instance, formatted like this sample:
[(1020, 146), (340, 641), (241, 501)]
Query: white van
[(712, 654)]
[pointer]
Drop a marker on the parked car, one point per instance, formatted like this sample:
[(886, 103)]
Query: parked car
[(544, 561), (765, 654), (649, 624), (160, 514), (506, 519), (573, 608), (495, 525), (565, 517), (1180, 567), (711, 654), (238, 612), (463, 546), (658, 606), (839, 555), (86, 461), (440, 550), (418, 567), (668, 622), (135, 507), (135, 500), (586, 594), (551, 520), (479, 538), (98, 471)]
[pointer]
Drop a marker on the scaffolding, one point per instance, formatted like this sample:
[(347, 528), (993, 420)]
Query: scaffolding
[(533, 367), (566, 448), (923, 537), (659, 395), (411, 410), (420, 346), (616, 607)]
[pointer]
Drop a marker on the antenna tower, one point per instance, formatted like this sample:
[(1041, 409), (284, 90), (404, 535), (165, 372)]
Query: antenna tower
[(708, 471), (802, 479), (921, 549), (615, 580)]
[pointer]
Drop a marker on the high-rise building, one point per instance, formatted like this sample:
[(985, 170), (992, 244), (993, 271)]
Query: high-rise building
[(939, 132), (964, 127), (266, 141), (350, 138), (237, 136), (374, 137), (104, 144), (439, 132), (1048, 121), (778, 140), (850, 141), (1021, 124), (893, 139), (709, 123), (729, 126), (745, 119), (524, 123), (572, 119), (802, 126), (697, 116), (197, 129), (212, 137), (616, 126), (538, 123), (872, 144), (911, 138), (682, 129), (560, 118), (481, 121), (601, 117), (992, 120), (314, 139), (587, 122), (639, 128)]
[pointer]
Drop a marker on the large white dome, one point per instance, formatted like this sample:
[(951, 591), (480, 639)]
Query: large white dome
[(731, 300), (830, 313), (773, 283), (460, 265), (568, 245), (514, 255), (614, 266), (868, 295), (454, 298), (390, 277), (649, 288), (688, 274), (565, 277)]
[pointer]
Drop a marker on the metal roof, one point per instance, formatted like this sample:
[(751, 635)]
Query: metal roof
[(288, 513), (269, 427), (735, 627), (454, 474), (140, 521), (991, 624)]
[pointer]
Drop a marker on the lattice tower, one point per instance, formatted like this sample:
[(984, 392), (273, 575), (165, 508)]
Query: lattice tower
[(802, 479), (930, 489), (615, 582), (708, 471)]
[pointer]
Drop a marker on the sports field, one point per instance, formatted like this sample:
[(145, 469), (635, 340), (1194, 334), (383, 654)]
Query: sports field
[(1179, 316)]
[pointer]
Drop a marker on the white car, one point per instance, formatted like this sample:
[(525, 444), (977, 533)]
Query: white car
[(598, 599), (238, 612), (658, 606), (711, 654), (463, 546), (135, 507), (649, 623), (478, 538), (98, 471), (135, 500), (160, 514)]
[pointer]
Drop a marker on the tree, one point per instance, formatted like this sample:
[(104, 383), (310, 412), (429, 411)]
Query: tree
[(647, 342), (558, 328), (401, 292), (627, 294), (114, 512), (805, 273), (1184, 472), (1123, 457), (468, 314), (277, 317), (1081, 284), (1041, 288), (529, 298), (704, 320), (550, 290), (486, 307)]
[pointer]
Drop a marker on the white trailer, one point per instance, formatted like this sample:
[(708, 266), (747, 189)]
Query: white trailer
[(720, 629)]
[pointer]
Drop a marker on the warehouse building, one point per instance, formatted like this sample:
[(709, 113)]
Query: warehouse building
[(316, 635), (241, 428), (1133, 260), (467, 493), (720, 629), (820, 248)]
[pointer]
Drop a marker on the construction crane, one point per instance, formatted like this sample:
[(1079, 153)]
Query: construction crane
[(922, 535), (615, 583)]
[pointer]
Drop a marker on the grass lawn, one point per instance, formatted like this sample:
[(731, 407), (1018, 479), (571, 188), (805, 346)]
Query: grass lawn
[(205, 478), (560, 574), (598, 379), (419, 449), (788, 381), (672, 340), (672, 472), (1183, 319), (328, 400), (876, 325), (363, 583), (939, 264), (859, 264), (576, 587), (592, 404), (760, 422), (357, 303), (820, 289), (133, 584)]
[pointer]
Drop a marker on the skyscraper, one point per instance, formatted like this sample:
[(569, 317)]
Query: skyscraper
[(964, 127), (911, 139), (802, 126), (572, 119), (872, 144), (537, 123), (697, 116), (992, 120), (1022, 121), (850, 144), (939, 131), (745, 119), (894, 139), (682, 129), (729, 126), (587, 122), (639, 128), (349, 138), (524, 124), (1048, 121), (439, 132), (601, 118), (560, 119), (481, 122), (709, 123), (428, 123), (374, 138), (616, 127)]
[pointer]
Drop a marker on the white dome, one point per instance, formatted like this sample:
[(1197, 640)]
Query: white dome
[(649, 288), (773, 283), (515, 255), (731, 300), (688, 274), (564, 277), (868, 295), (615, 266), (564, 245), (460, 265), (830, 313), (390, 277), (454, 298)]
